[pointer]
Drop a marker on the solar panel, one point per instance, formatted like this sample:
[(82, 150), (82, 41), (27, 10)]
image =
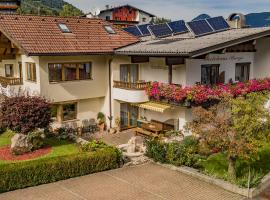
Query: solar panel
[(218, 23), (160, 30), (133, 30), (178, 26), (144, 30), (200, 27)]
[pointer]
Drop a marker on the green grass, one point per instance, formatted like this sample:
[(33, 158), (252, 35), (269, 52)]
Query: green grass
[(59, 147), (217, 165), (5, 138)]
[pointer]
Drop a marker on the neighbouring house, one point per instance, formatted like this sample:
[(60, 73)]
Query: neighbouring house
[(9, 6), (65, 60), (126, 15)]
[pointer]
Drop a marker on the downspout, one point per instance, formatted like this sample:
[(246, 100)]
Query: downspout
[(110, 92)]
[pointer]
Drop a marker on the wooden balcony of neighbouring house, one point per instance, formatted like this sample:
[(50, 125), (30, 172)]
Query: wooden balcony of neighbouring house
[(11, 81), (130, 92)]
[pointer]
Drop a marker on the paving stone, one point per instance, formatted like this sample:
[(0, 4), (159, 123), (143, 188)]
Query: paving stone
[(142, 182)]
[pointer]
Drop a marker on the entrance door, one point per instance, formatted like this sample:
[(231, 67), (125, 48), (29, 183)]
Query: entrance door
[(129, 115), (129, 73)]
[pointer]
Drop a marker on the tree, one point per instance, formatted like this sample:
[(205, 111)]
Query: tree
[(25, 114), (68, 11), (234, 126), (161, 20)]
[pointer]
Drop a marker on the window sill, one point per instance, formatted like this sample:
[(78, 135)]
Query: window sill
[(59, 82)]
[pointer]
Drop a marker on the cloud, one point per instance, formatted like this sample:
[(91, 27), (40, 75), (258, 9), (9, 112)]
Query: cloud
[(181, 9)]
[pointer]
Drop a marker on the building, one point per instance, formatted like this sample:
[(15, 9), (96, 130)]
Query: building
[(126, 15), (9, 6), (65, 60), (85, 66), (232, 55)]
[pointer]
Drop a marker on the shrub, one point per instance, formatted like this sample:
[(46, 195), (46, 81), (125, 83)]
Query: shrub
[(156, 150), (65, 133), (93, 146), (35, 172), (24, 114), (37, 139)]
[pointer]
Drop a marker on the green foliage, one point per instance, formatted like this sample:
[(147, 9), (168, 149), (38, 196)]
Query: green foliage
[(161, 20), (177, 153), (37, 139), (65, 133), (93, 146), (156, 149), (35, 172), (68, 11), (235, 126), (101, 118), (48, 7), (173, 133)]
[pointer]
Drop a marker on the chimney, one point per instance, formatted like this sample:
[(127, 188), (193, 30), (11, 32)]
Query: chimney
[(237, 20)]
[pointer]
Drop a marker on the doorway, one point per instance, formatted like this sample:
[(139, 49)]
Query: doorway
[(128, 116)]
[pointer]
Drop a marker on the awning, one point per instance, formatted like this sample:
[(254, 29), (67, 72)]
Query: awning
[(157, 107)]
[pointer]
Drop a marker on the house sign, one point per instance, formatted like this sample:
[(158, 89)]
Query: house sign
[(217, 57)]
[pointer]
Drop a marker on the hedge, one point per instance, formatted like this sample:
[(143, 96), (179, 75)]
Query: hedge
[(35, 172)]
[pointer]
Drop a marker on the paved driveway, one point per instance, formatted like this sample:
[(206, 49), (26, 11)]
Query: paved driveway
[(144, 182)]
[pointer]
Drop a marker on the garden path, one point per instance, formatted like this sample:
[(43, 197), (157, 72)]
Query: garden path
[(142, 182)]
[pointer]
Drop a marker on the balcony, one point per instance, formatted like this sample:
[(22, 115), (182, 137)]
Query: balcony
[(131, 86), (5, 81), (130, 92)]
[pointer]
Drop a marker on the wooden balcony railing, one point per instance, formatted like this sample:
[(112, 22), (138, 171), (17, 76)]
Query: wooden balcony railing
[(131, 86), (4, 81)]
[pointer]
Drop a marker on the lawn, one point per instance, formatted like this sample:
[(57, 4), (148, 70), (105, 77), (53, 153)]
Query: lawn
[(59, 147), (217, 166)]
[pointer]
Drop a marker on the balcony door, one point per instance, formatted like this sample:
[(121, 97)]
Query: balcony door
[(129, 73), (129, 115), (9, 72), (209, 74)]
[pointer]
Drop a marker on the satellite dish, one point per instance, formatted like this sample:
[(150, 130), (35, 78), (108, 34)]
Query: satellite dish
[(96, 11)]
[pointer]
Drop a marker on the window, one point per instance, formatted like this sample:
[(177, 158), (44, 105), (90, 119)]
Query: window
[(54, 110), (109, 29), (64, 28), (242, 71), (9, 70), (70, 71), (144, 19), (210, 74), (31, 72), (108, 18), (69, 111)]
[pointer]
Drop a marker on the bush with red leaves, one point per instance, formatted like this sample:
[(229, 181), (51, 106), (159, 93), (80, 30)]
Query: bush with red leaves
[(24, 114)]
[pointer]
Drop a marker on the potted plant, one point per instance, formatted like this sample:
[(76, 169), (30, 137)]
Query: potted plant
[(118, 124), (101, 121)]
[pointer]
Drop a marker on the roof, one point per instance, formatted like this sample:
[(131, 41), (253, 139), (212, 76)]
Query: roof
[(41, 35), (127, 5), (186, 45)]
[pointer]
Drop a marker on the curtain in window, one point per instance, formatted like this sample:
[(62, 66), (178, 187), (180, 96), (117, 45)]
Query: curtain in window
[(124, 73), (55, 72), (209, 74), (134, 73), (70, 72), (85, 71), (242, 71)]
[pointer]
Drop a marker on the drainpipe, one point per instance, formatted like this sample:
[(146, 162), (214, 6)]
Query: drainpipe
[(170, 74), (110, 91)]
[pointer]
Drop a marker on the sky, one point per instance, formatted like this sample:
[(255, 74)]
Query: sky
[(181, 9)]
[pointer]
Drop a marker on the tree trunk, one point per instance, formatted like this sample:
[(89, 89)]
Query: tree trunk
[(232, 167)]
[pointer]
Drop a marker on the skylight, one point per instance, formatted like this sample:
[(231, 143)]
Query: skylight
[(109, 29), (64, 28)]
